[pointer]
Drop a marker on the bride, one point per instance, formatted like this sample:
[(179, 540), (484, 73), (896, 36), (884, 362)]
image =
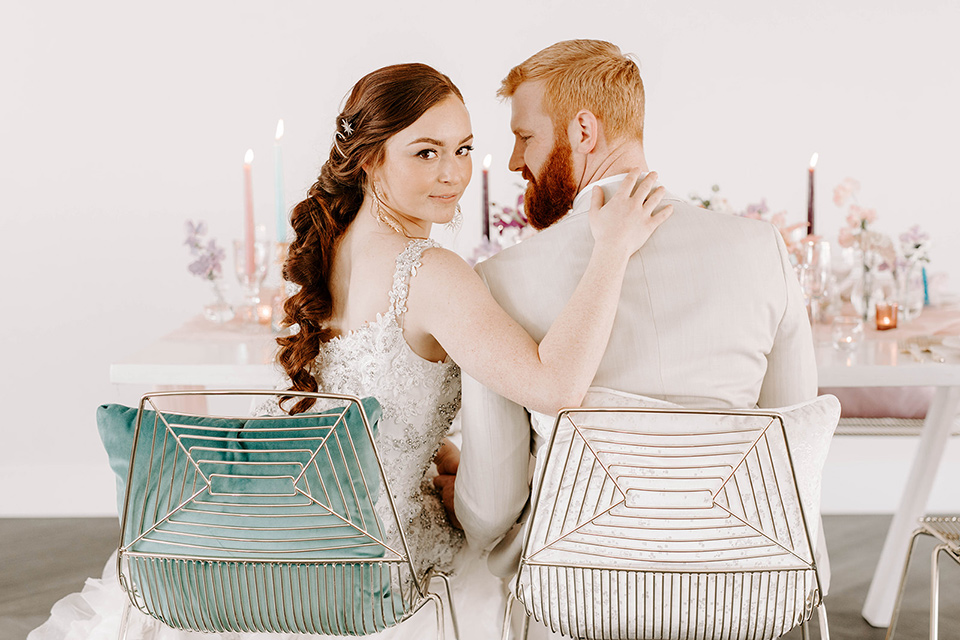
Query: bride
[(383, 311)]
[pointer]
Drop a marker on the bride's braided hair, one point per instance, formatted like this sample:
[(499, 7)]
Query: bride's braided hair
[(380, 105)]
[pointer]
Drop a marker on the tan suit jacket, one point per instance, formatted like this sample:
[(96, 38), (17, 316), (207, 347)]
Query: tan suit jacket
[(710, 316)]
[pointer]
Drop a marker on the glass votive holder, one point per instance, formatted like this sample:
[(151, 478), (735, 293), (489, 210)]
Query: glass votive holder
[(264, 313), (886, 316), (846, 331)]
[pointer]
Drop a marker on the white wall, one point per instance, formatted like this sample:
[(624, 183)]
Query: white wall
[(121, 120)]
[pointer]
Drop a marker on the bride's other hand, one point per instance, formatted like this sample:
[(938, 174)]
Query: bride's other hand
[(445, 483), (447, 458), (631, 216)]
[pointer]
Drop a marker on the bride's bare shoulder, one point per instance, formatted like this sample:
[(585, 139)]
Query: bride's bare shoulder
[(441, 265), (444, 277)]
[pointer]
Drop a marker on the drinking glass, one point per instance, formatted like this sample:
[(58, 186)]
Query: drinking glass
[(251, 264), (847, 332), (814, 272)]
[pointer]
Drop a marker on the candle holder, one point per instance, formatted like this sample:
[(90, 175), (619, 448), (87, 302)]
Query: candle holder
[(886, 315), (251, 276), (847, 332)]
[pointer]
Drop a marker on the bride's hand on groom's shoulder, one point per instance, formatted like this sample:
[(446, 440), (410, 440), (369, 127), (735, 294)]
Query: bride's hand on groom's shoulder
[(631, 216)]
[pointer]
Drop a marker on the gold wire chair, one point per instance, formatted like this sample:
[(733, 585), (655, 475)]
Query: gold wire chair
[(266, 523), (946, 531), (669, 524)]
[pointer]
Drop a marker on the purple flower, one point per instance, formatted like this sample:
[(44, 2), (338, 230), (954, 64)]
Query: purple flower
[(209, 258)]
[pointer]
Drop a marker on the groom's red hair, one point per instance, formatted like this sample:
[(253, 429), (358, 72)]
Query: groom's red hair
[(585, 74)]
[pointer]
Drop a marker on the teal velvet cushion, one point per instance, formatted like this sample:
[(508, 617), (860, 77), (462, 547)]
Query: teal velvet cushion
[(218, 488)]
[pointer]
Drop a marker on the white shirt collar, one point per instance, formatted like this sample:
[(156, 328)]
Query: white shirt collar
[(581, 204)]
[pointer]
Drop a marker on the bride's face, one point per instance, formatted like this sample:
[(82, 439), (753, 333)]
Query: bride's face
[(427, 166)]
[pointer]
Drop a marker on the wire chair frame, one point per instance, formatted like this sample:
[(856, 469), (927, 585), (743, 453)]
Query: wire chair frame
[(269, 527), (946, 532), (623, 492)]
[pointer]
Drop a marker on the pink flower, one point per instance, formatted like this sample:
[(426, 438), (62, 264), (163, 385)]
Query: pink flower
[(840, 196), (853, 218), (859, 215), (846, 237), (845, 191)]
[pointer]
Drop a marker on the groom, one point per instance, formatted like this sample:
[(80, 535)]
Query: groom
[(711, 314)]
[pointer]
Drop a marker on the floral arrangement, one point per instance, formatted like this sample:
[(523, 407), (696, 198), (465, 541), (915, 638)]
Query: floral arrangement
[(877, 248), (208, 263), (511, 225), (915, 245), (756, 211), (878, 252)]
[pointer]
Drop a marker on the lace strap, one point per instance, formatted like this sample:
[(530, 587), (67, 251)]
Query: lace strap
[(408, 262)]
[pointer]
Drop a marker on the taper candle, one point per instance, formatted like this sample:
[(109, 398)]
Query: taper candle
[(278, 185), (813, 165), (249, 228), (486, 196)]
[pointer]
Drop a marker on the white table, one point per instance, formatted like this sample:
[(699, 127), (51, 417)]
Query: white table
[(200, 354), (203, 354), (877, 362)]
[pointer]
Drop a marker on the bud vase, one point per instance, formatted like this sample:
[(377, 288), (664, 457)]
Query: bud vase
[(909, 283), (865, 294), (218, 311)]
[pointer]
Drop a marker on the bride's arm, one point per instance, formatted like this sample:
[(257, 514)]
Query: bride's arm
[(455, 307)]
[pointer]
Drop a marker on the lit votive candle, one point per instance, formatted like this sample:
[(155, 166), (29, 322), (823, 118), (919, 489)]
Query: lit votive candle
[(264, 312), (846, 332), (886, 315)]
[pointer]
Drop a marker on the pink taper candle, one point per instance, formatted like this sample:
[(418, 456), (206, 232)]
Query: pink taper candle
[(250, 230)]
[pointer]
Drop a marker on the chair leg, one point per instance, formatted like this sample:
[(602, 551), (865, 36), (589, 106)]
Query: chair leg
[(805, 630), (124, 619), (453, 610), (439, 604), (508, 618), (903, 584), (507, 614), (935, 591), (824, 627)]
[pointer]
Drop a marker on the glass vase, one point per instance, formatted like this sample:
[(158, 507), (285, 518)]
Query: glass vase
[(865, 294), (909, 292), (218, 311)]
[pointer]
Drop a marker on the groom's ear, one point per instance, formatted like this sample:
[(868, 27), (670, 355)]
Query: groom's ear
[(585, 132)]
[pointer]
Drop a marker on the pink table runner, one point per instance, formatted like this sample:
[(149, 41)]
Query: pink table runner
[(895, 402)]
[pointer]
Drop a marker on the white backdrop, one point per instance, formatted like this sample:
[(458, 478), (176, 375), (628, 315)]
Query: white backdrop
[(120, 120)]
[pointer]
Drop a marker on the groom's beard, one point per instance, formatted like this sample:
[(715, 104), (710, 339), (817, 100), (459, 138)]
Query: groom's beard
[(550, 195)]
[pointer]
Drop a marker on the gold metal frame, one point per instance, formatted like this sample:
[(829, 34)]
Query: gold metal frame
[(274, 540), (946, 531), (674, 527)]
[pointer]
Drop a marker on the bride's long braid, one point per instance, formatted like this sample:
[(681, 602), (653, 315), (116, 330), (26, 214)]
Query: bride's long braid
[(380, 105)]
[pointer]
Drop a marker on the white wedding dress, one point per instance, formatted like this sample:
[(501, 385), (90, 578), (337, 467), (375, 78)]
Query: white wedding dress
[(419, 400)]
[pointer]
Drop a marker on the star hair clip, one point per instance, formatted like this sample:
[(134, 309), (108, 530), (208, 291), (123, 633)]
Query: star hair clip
[(344, 132)]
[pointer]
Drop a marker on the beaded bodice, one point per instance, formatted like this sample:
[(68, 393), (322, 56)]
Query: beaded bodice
[(419, 400)]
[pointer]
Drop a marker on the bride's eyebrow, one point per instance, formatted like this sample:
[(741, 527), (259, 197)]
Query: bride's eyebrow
[(438, 143)]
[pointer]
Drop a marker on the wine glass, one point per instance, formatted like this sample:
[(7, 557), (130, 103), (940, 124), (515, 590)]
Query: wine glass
[(814, 272), (251, 261)]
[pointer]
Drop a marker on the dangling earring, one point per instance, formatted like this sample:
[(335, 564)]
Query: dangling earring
[(456, 221), (382, 216)]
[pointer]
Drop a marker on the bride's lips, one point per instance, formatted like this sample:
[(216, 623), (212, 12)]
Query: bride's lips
[(446, 198)]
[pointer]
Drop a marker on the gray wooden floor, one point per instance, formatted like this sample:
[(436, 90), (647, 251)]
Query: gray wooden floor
[(42, 560)]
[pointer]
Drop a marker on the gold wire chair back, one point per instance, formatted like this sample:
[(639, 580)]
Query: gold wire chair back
[(265, 524), (668, 524)]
